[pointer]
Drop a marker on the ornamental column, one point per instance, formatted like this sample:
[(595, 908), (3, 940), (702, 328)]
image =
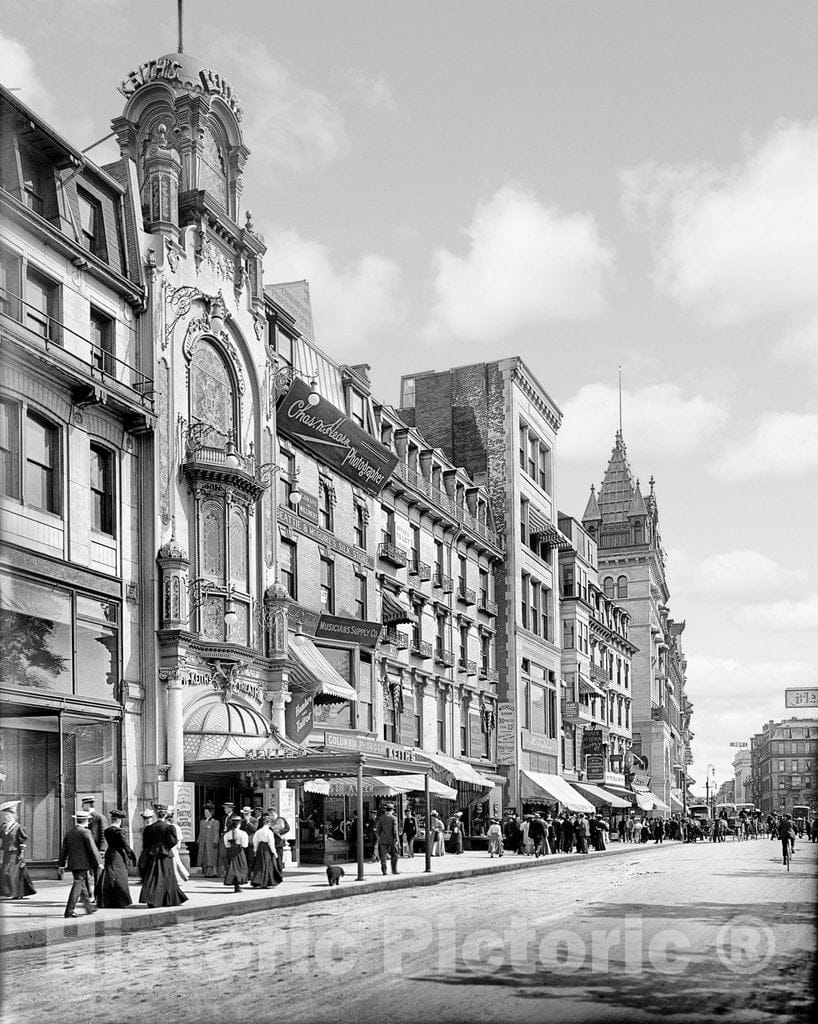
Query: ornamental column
[(175, 723)]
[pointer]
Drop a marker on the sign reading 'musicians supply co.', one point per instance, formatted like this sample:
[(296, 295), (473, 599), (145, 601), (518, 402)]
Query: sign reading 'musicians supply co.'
[(335, 439)]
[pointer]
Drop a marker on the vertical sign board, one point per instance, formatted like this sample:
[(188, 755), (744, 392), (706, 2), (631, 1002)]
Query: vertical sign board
[(181, 796), (476, 745), (298, 716), (403, 535), (506, 733), (407, 719), (593, 755)]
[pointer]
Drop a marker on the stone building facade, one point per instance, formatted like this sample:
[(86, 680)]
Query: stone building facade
[(625, 526), (596, 667), (497, 421), (76, 415)]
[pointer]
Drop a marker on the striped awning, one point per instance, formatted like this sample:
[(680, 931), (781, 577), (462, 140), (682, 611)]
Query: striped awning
[(311, 671), (598, 795), (393, 612), (379, 785), (461, 771), (586, 686)]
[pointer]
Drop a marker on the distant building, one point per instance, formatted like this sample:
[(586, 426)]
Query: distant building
[(742, 774), (625, 526), (784, 765)]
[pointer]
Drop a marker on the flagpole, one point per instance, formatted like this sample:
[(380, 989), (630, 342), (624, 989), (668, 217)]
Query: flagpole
[(180, 8)]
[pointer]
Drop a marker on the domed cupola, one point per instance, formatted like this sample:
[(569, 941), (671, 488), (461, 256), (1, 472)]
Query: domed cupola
[(202, 130)]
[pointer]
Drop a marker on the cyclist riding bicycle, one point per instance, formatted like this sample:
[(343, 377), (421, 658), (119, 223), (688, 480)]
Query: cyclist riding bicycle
[(786, 833)]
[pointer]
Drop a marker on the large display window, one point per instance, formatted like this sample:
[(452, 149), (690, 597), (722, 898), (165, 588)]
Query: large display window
[(57, 640)]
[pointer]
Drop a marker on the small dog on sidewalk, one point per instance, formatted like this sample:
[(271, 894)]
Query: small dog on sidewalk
[(334, 874)]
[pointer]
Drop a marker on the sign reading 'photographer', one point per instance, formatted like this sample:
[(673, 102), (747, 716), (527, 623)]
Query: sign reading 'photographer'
[(335, 439)]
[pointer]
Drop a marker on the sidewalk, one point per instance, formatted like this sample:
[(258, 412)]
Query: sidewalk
[(38, 920)]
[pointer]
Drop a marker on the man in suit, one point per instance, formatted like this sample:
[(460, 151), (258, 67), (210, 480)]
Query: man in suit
[(97, 824), (79, 853), (386, 836), (536, 833)]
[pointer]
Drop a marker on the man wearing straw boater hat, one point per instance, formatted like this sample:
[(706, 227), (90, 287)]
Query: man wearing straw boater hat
[(80, 855)]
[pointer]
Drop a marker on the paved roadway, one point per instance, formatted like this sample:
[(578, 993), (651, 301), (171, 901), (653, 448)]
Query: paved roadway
[(684, 933)]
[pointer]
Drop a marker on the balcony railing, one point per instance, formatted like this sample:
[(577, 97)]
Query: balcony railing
[(599, 675), (489, 607), (490, 675), (421, 649), (443, 501), (76, 354), (393, 554), (469, 667), (420, 569), (443, 582), (444, 657), (211, 454), (465, 594)]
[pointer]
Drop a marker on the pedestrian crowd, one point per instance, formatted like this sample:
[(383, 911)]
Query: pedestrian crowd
[(247, 848)]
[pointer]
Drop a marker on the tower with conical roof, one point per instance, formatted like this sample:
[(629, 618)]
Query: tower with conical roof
[(632, 566)]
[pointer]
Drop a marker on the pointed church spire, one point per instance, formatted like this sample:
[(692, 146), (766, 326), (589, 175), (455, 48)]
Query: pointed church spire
[(592, 513), (638, 507), (616, 491)]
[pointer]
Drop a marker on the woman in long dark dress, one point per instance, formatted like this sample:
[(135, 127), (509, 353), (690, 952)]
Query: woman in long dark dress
[(266, 868), (14, 878), (159, 885), (114, 890), (236, 841)]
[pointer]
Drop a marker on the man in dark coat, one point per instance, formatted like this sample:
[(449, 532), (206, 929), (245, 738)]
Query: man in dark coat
[(410, 830), (583, 832), (536, 833), (567, 834), (386, 836), (80, 855), (96, 826), (159, 885)]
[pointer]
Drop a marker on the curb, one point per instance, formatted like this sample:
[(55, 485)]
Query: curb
[(92, 927)]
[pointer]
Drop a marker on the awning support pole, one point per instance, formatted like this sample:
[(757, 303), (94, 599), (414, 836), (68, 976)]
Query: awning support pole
[(428, 796), (360, 842)]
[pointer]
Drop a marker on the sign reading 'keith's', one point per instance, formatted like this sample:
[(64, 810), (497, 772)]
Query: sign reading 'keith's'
[(335, 439)]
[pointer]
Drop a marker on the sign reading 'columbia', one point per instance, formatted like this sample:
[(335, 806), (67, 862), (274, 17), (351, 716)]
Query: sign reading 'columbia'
[(335, 439)]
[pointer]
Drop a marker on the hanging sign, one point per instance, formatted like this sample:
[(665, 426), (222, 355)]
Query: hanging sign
[(506, 733), (334, 439)]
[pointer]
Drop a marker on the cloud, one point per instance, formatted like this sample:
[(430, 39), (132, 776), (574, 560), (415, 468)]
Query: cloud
[(660, 422), (372, 91), (289, 125), (799, 346), (20, 74), (783, 616), (739, 574), (527, 263), (354, 305), (781, 445), (738, 243), (733, 698)]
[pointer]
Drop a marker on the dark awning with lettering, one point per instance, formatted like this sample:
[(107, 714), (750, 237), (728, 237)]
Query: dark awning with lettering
[(311, 671), (393, 611)]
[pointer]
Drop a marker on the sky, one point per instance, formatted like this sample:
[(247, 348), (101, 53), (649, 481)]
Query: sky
[(587, 185)]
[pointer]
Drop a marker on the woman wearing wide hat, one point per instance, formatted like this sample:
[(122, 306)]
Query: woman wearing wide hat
[(114, 890), (14, 878), (235, 843), (266, 869)]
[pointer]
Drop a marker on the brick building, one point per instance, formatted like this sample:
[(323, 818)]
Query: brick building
[(497, 421), (76, 411), (784, 765)]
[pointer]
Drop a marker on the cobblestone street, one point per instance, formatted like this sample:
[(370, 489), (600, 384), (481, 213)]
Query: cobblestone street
[(687, 932)]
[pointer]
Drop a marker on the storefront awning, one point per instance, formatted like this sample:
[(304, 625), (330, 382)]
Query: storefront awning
[(553, 789), (462, 771), (676, 802), (310, 670), (380, 785), (393, 612), (611, 787), (586, 686), (600, 796), (647, 800)]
